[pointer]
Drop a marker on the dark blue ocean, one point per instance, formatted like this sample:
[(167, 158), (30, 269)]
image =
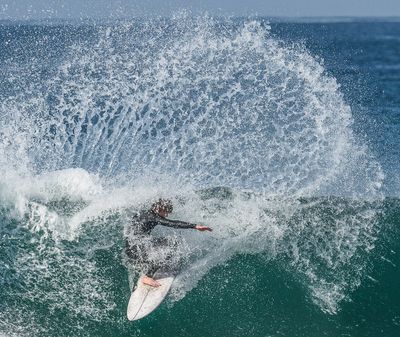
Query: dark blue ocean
[(282, 136)]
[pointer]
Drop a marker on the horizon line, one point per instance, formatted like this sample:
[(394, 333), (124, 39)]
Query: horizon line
[(276, 18)]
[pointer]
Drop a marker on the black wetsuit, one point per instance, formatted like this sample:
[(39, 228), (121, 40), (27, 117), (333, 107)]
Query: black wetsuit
[(139, 241)]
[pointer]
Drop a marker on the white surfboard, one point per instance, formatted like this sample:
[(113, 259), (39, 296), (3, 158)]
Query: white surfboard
[(144, 299)]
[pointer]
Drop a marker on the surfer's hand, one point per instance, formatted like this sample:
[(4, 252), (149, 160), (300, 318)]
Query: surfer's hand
[(203, 228)]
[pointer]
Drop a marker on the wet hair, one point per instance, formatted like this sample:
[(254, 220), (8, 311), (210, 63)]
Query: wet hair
[(162, 205)]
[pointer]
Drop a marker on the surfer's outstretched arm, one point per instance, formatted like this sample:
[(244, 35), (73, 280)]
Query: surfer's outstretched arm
[(175, 223), (182, 224), (160, 210)]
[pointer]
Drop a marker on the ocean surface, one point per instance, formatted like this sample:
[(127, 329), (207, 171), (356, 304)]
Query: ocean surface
[(283, 137)]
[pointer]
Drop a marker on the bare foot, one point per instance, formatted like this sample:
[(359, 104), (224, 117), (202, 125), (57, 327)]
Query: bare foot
[(150, 281)]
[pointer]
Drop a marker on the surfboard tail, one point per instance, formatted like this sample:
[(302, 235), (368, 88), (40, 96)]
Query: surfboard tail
[(145, 299)]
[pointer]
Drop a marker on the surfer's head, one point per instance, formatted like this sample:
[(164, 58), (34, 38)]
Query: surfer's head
[(162, 207)]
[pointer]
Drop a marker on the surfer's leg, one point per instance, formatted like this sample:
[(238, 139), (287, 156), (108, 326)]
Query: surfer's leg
[(168, 262), (154, 266), (138, 255)]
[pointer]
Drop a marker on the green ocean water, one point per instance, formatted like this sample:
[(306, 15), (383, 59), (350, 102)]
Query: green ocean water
[(249, 295)]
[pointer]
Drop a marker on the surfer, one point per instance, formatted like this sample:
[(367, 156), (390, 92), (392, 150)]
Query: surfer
[(140, 229)]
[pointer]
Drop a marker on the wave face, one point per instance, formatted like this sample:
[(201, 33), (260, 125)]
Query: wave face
[(244, 132)]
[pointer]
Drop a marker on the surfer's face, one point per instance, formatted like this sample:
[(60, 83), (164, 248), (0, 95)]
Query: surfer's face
[(164, 213)]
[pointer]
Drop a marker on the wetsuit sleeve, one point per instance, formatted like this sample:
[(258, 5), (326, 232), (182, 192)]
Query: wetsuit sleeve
[(174, 223)]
